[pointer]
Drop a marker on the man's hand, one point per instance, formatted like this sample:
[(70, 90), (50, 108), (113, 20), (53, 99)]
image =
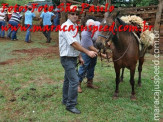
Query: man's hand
[(103, 55), (81, 60), (91, 54), (77, 46)]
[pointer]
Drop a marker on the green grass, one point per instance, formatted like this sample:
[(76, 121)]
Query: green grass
[(31, 90), (13, 2)]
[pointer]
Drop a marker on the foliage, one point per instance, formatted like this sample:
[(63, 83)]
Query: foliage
[(13, 2), (145, 2)]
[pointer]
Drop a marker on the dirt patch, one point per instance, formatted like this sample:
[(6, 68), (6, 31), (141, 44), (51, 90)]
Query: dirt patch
[(4, 39), (49, 53), (39, 51), (10, 61)]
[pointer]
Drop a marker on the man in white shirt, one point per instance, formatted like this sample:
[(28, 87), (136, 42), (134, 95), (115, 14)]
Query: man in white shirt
[(69, 47)]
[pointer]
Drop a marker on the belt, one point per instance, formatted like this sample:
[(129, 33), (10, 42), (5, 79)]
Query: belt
[(67, 57)]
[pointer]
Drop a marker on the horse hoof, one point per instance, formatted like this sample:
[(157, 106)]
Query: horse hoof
[(139, 84), (115, 96), (133, 98), (121, 80)]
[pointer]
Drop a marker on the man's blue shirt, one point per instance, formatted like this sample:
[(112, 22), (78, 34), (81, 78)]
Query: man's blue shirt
[(28, 17), (46, 16)]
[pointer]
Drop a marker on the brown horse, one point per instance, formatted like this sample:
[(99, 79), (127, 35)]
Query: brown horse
[(125, 51)]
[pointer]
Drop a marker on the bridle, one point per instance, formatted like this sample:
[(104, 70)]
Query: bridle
[(104, 48), (107, 37)]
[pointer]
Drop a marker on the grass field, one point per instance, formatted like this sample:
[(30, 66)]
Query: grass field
[(31, 78)]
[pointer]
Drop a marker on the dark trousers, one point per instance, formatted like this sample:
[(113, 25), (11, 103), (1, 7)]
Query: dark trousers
[(47, 33), (12, 32), (71, 81), (88, 67), (28, 33), (2, 33)]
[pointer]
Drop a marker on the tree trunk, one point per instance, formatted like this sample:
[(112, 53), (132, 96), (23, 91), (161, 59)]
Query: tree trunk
[(158, 15)]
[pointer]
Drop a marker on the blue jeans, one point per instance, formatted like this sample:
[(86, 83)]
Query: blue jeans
[(87, 68), (71, 81), (28, 33), (56, 20), (12, 33), (2, 33)]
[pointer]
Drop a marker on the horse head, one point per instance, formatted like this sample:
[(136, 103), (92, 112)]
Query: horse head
[(104, 37)]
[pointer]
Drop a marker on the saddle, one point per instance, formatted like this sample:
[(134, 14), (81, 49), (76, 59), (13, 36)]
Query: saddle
[(142, 47)]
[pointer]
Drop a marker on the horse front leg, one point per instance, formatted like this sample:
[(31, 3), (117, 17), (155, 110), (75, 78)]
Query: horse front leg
[(122, 75), (132, 82), (117, 71), (141, 61)]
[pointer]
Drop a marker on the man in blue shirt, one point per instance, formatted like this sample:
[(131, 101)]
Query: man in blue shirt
[(47, 17), (56, 19), (28, 23), (89, 63)]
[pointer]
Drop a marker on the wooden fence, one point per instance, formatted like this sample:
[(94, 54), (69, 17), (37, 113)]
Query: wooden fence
[(147, 13)]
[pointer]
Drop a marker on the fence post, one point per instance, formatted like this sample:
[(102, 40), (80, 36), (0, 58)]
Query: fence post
[(158, 15), (63, 13)]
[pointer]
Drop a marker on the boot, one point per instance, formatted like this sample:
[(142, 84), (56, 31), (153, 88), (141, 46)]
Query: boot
[(79, 88), (90, 84)]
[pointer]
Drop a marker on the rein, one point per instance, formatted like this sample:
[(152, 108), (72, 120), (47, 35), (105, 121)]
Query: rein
[(104, 52), (107, 39)]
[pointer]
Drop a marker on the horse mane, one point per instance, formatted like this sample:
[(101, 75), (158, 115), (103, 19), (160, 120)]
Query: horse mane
[(121, 22)]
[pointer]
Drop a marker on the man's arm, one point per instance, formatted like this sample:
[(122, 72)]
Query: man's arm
[(23, 20), (36, 18), (81, 60), (93, 49), (78, 47), (53, 17)]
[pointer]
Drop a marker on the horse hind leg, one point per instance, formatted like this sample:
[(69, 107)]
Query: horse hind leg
[(117, 70), (132, 82), (122, 75), (141, 61)]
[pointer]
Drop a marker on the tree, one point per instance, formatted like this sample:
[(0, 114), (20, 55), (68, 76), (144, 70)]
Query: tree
[(2, 1)]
